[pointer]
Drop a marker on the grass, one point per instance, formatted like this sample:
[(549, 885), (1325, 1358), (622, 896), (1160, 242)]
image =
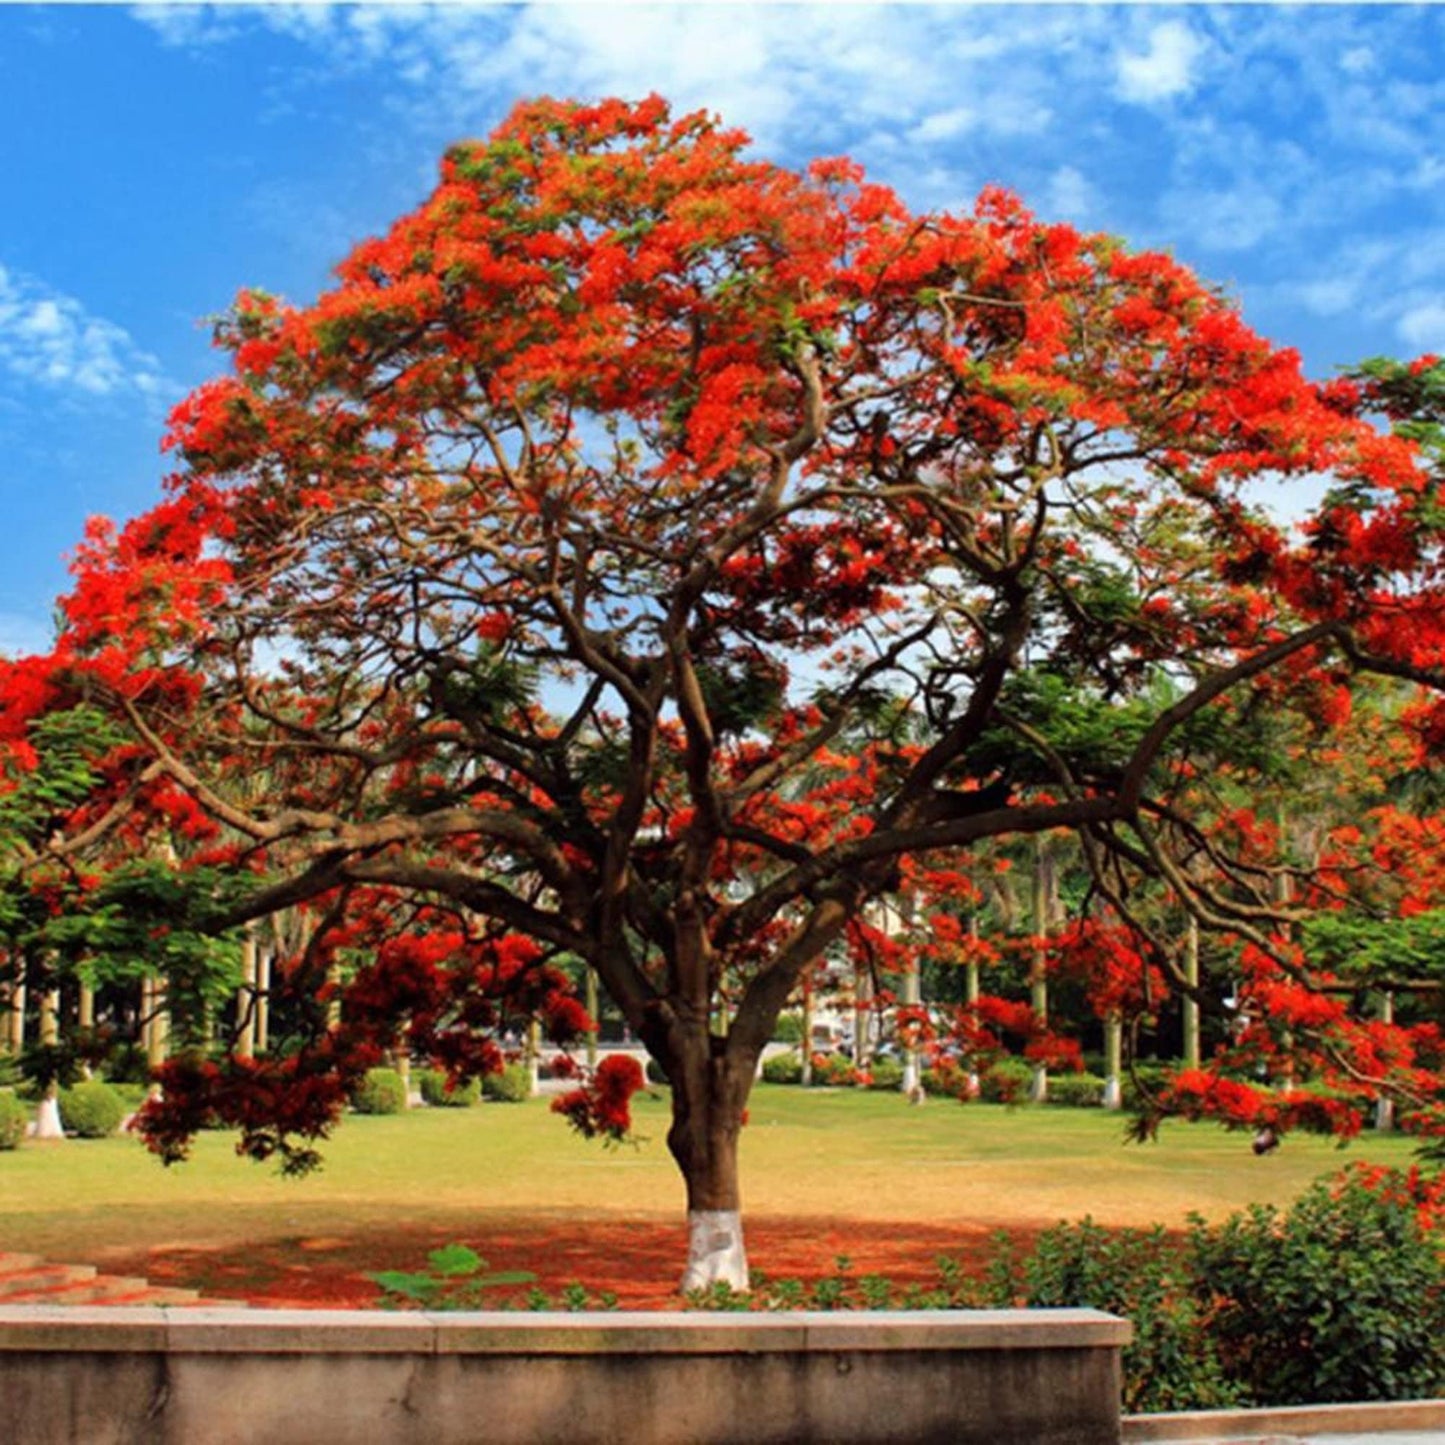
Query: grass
[(832, 1154)]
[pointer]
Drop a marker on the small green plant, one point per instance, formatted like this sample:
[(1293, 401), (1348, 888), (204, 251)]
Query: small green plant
[(92, 1110), (456, 1278), (1006, 1082), (885, 1075), (512, 1086), (14, 1117), (434, 1090), (1079, 1091), (783, 1068), (381, 1091)]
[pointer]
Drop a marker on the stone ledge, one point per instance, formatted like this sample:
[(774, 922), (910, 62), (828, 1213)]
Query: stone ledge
[(1383, 1418), (251, 1331)]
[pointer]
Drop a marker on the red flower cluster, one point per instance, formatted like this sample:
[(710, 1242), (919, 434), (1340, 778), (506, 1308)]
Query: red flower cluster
[(603, 1105)]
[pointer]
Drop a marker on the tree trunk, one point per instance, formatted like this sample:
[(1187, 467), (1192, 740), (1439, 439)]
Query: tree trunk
[(709, 1091)]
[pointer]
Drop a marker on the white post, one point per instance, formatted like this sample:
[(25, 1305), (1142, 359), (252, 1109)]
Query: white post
[(47, 1116), (1038, 972), (1385, 1105), (1113, 1061)]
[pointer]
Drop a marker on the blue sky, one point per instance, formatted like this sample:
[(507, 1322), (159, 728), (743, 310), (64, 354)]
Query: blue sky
[(159, 157)]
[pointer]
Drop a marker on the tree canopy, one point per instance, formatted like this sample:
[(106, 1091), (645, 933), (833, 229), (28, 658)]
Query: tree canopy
[(648, 555)]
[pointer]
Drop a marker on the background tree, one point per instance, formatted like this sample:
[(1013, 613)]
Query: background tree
[(643, 549)]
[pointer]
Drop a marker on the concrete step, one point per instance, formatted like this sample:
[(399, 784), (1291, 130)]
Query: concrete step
[(34, 1278), (27, 1279)]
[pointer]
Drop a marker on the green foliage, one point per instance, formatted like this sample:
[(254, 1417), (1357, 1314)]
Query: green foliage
[(1006, 1082), (67, 746), (788, 1029), (832, 1069), (512, 1086), (885, 1074), (14, 1117), (92, 1110), (433, 1086), (1371, 949), (1341, 1298), (1079, 1091), (1172, 1363), (783, 1068), (656, 1074), (381, 1091), (456, 1279)]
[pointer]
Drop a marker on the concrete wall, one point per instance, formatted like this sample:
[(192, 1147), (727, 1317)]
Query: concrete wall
[(83, 1376)]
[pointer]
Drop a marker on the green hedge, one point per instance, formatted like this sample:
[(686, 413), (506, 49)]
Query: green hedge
[(1080, 1091), (14, 1117), (381, 1091), (512, 1086), (433, 1086), (783, 1068), (1339, 1298), (92, 1110)]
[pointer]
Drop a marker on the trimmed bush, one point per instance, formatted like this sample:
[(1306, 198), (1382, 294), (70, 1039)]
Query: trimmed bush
[(380, 1092), (434, 1091), (1078, 1091), (92, 1110), (512, 1086), (14, 1117), (829, 1069), (946, 1079), (885, 1074), (783, 1068), (1006, 1082)]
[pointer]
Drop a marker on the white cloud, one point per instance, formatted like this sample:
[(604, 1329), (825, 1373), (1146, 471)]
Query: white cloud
[(1222, 220), (51, 340), (1423, 326), (1069, 194), (1164, 70), (22, 635)]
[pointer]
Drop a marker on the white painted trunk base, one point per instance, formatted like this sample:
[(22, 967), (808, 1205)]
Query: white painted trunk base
[(47, 1120), (715, 1253)]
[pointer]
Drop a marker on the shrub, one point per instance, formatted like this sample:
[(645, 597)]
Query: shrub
[(829, 1069), (1006, 1082), (656, 1074), (783, 1068), (512, 1086), (1339, 1299), (1172, 1362), (381, 1091), (434, 1091), (92, 1110), (885, 1074), (1151, 1077), (1080, 1091), (14, 1117), (946, 1078)]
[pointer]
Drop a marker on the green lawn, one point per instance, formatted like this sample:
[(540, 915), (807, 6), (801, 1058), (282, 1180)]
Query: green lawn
[(827, 1153)]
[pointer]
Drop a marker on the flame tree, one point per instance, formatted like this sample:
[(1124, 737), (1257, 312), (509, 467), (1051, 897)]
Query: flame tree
[(642, 550)]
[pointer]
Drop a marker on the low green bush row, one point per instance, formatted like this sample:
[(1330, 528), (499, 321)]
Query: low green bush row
[(434, 1091), (14, 1117), (1339, 1298)]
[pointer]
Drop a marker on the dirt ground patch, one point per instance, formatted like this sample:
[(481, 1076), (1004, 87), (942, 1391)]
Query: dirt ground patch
[(638, 1260)]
